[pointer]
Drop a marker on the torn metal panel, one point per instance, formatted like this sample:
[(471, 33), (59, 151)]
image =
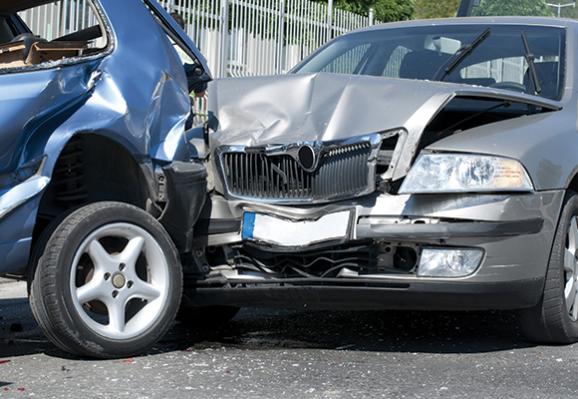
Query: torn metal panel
[(30, 101)]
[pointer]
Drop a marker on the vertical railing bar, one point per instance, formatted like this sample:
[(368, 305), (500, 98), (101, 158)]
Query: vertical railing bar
[(224, 53), (280, 37), (238, 37)]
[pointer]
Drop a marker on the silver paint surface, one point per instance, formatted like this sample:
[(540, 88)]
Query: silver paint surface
[(269, 111)]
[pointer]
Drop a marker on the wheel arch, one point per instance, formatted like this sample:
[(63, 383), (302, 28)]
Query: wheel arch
[(91, 167)]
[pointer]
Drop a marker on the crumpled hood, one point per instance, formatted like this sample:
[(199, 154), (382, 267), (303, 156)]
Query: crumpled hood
[(283, 109), (277, 110)]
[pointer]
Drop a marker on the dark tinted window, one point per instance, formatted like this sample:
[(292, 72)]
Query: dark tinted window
[(5, 32)]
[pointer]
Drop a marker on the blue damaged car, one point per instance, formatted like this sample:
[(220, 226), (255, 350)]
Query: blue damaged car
[(98, 195)]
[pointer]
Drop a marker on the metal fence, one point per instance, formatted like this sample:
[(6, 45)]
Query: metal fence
[(262, 37), (238, 37)]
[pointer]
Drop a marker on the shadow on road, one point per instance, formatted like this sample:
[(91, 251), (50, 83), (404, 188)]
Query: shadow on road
[(19, 334), (256, 329), (393, 331)]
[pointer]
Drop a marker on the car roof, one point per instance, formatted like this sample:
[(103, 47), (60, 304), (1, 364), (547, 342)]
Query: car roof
[(528, 21)]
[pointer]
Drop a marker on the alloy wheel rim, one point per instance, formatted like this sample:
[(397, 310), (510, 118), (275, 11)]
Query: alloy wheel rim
[(571, 270), (119, 281)]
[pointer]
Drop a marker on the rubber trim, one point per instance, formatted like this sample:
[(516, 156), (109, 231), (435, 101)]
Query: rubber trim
[(390, 295), (449, 230)]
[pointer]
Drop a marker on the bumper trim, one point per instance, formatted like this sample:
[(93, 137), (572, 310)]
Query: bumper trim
[(21, 193), (447, 296), (441, 231)]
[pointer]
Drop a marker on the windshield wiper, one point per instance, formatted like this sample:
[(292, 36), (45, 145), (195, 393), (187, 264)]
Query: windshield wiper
[(530, 59), (462, 54)]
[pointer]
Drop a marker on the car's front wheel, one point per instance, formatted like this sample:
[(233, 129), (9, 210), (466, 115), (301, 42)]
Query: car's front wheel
[(109, 282), (555, 319)]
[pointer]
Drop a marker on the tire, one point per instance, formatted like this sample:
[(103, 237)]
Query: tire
[(109, 282), (555, 319), (206, 318), (40, 246)]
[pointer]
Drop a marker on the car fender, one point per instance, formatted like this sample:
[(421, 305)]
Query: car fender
[(546, 144)]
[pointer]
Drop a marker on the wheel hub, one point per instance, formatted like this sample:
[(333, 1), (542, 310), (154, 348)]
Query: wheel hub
[(571, 270), (118, 281)]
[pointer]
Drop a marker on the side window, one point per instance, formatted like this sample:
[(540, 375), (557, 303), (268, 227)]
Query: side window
[(60, 31), (349, 61)]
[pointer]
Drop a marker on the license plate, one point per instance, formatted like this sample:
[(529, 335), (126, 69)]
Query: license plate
[(295, 233)]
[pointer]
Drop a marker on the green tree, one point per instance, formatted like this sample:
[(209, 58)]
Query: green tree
[(385, 10), (426, 9), (513, 7)]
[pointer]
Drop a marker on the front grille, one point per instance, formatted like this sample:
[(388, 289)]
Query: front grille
[(343, 171)]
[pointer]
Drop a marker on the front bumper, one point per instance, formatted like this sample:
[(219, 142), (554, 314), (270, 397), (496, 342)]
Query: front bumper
[(372, 295), (515, 232)]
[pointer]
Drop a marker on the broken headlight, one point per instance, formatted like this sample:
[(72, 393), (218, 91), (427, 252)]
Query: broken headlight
[(458, 173)]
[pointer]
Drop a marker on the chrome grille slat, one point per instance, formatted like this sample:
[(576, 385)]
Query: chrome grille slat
[(343, 171)]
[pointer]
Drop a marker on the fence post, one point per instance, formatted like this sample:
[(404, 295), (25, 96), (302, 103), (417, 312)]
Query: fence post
[(281, 38), (329, 20), (224, 42), (371, 17)]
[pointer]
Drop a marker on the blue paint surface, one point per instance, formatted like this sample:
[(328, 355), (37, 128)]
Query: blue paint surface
[(134, 93)]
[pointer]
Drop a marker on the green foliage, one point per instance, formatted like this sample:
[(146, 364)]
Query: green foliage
[(514, 7), (565, 12), (385, 10), (426, 9)]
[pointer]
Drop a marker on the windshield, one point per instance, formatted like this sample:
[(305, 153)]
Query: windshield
[(446, 53)]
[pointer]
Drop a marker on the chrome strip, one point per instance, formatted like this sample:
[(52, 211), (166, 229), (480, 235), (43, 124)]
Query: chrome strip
[(292, 150), (21, 193)]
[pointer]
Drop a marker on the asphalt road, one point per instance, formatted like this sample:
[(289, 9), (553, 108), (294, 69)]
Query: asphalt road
[(292, 354)]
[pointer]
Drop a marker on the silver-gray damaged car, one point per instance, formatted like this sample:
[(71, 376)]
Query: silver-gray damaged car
[(414, 165)]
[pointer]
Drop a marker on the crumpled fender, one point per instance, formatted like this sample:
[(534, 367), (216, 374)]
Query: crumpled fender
[(136, 95)]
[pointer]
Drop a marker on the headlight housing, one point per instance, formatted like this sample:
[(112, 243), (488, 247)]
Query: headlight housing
[(459, 173)]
